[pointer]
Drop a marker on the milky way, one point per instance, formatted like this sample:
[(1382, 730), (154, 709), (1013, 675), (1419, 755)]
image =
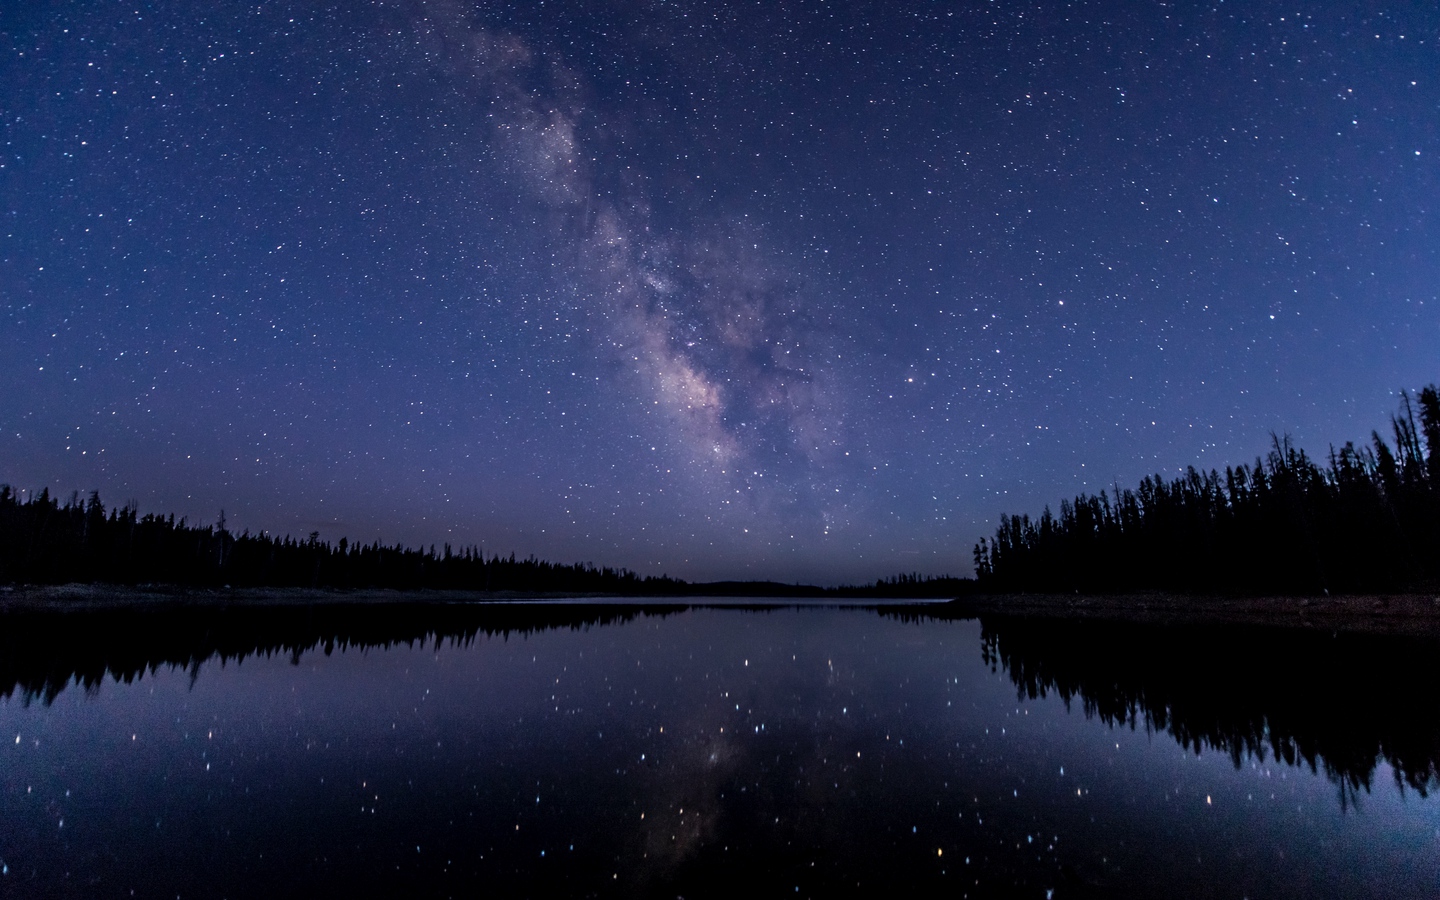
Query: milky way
[(809, 291)]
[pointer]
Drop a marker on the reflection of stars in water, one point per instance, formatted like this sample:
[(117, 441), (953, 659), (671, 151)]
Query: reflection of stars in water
[(662, 752)]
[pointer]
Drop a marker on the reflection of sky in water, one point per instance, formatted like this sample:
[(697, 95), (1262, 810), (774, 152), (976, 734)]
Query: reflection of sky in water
[(817, 749)]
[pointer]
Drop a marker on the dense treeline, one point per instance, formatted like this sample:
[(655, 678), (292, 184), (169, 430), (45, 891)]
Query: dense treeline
[(45, 542), (931, 587), (1368, 520)]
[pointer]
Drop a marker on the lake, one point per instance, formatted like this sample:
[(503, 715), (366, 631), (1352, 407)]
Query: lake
[(583, 749)]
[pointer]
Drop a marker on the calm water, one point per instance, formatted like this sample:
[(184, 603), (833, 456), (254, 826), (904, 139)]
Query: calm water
[(581, 751)]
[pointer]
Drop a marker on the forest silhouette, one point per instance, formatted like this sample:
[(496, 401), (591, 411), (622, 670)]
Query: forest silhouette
[(1366, 521), (44, 541)]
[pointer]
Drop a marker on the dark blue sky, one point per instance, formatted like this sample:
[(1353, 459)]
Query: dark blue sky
[(807, 291)]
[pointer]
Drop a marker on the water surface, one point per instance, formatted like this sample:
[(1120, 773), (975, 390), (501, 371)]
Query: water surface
[(678, 751)]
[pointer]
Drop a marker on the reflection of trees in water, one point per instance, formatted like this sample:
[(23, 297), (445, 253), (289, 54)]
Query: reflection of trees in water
[(1337, 703), (41, 653)]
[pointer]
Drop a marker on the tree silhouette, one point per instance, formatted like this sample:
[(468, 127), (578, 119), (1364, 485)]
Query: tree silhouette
[(1368, 520), (45, 542)]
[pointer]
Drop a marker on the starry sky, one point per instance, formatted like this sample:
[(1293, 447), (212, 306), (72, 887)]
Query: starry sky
[(799, 290)]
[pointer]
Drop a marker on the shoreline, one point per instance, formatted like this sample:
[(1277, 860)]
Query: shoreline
[(83, 597), (79, 598), (1400, 614), (1407, 614)]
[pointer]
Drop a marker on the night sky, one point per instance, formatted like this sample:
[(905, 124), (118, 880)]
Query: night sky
[(797, 290)]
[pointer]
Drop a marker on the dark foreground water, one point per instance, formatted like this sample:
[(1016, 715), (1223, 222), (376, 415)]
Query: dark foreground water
[(596, 750)]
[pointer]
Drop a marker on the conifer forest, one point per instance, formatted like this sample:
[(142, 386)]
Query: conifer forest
[(1366, 519)]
